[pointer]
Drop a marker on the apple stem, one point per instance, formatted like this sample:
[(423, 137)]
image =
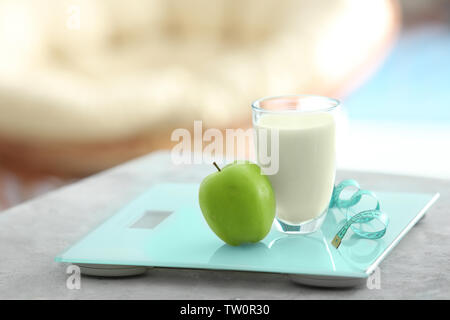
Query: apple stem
[(215, 165)]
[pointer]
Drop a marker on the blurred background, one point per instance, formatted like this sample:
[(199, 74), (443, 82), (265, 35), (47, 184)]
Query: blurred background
[(88, 84)]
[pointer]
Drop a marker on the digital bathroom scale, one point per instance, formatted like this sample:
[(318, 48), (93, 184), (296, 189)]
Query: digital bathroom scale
[(164, 227)]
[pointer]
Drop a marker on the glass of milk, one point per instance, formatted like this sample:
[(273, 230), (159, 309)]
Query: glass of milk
[(296, 148)]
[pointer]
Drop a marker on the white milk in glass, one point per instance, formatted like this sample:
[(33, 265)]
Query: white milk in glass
[(304, 182)]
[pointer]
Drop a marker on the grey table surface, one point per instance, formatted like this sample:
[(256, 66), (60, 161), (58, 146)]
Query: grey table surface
[(33, 233)]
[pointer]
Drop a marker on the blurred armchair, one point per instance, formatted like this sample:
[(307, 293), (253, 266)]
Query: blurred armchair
[(88, 84)]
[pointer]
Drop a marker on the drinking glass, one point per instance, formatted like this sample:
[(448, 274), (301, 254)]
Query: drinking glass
[(296, 148)]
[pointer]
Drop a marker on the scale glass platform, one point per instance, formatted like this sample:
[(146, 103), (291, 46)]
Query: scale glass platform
[(164, 227)]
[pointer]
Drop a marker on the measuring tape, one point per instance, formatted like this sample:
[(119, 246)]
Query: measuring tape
[(361, 217)]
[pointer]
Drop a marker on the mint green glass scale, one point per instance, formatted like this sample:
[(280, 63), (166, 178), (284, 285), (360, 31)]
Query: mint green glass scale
[(164, 227)]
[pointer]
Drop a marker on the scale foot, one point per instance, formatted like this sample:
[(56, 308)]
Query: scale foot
[(327, 282), (108, 270)]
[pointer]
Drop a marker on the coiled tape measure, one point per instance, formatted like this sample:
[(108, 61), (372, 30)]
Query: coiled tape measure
[(361, 217)]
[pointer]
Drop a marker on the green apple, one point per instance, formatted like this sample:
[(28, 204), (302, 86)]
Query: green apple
[(238, 203)]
